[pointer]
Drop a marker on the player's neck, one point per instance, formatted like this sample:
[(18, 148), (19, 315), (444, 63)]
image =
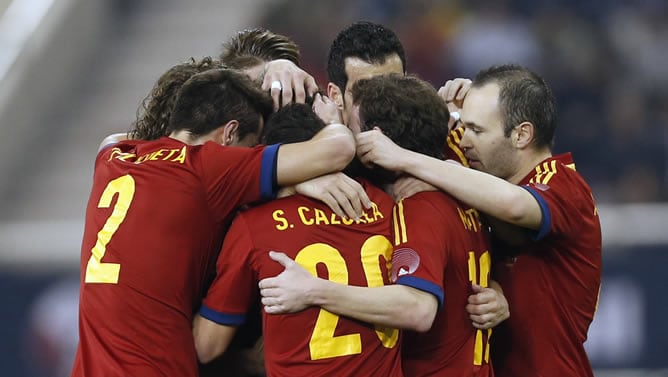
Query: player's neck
[(186, 137), (528, 162)]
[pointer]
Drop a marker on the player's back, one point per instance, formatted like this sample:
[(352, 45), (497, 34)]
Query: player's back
[(153, 227), (315, 342), (452, 239)]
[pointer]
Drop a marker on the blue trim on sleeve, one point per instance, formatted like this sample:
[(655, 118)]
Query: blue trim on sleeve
[(423, 285), (222, 318), (545, 211), (268, 184)]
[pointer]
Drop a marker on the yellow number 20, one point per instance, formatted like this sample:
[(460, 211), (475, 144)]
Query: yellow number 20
[(96, 270), (323, 343)]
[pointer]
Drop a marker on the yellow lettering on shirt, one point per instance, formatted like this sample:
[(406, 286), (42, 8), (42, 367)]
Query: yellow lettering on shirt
[(317, 217), (159, 155), (470, 218), (282, 221)]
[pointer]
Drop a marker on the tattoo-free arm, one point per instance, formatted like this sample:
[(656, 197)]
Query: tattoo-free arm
[(330, 150), (211, 338)]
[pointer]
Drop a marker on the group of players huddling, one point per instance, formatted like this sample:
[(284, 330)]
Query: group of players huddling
[(251, 223)]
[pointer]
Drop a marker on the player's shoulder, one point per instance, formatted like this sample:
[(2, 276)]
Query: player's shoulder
[(558, 168)]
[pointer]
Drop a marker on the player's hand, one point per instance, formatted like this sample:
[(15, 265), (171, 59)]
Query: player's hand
[(487, 307), (326, 109), (453, 93), (344, 195), (295, 83), (288, 291), (374, 148), (408, 186)]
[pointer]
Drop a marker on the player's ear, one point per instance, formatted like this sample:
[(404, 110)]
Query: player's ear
[(335, 94), (228, 133), (523, 135)]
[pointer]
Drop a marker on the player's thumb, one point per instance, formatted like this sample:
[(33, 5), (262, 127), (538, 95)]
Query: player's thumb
[(477, 288), (281, 258)]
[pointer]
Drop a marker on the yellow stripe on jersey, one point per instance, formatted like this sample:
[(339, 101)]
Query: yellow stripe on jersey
[(400, 235), (454, 146), (572, 166), (395, 223), (545, 172)]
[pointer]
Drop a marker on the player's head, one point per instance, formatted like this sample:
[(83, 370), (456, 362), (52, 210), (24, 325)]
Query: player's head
[(362, 50), (408, 110), (250, 49), (222, 104), (155, 110), (508, 111), (292, 123)]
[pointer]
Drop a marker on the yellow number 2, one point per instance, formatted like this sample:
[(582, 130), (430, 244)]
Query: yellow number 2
[(324, 344), (96, 270)]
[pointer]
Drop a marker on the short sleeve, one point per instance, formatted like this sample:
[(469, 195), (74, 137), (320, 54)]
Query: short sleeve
[(235, 176), (420, 252), (234, 287), (563, 198)]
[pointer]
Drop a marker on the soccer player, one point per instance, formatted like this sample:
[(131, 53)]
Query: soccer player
[(314, 342), (362, 50), (440, 249), (155, 220), (552, 280), (365, 49)]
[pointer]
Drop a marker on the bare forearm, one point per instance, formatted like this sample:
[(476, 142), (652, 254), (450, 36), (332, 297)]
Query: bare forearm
[(329, 151), (211, 339), (383, 306), (487, 193)]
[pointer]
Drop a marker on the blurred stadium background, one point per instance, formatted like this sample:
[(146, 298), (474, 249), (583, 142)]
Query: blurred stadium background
[(73, 71)]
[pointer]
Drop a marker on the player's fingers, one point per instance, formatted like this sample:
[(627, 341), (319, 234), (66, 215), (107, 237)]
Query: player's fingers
[(446, 89), (481, 297), (453, 89), (333, 204), (299, 89), (310, 85), (272, 309), (286, 97), (281, 258), (463, 89), (355, 194), (343, 201), (267, 283), (275, 93), (359, 193)]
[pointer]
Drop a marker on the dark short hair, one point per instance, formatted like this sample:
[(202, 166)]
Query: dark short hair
[(368, 41), (408, 110), (210, 99), (524, 96), (251, 47), (292, 123), (156, 108)]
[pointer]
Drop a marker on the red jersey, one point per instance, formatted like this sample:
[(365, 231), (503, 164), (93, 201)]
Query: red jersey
[(153, 229), (441, 247), (552, 285), (313, 342), (452, 150)]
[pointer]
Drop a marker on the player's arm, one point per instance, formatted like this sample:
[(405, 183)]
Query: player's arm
[(211, 338), (487, 193), (330, 150), (296, 289), (227, 300)]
